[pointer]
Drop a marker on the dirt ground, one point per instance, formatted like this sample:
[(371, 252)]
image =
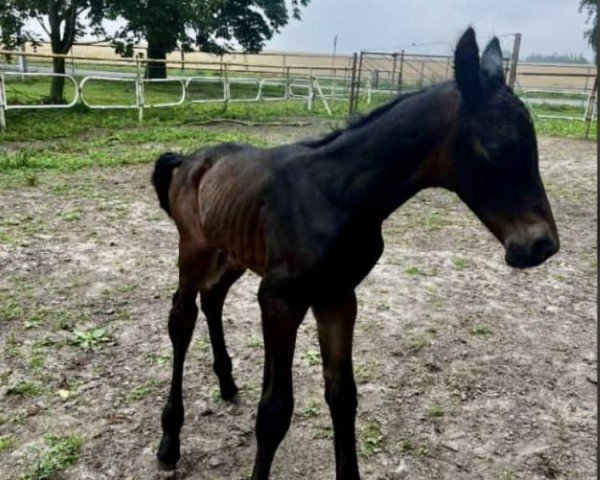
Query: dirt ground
[(466, 369)]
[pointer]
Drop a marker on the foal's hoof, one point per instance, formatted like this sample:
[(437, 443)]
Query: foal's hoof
[(229, 391), (165, 467), (168, 454)]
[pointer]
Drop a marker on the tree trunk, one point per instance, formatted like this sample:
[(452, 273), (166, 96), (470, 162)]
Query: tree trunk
[(58, 83), (156, 69)]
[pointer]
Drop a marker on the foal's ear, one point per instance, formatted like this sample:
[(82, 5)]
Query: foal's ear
[(467, 69), (491, 65)]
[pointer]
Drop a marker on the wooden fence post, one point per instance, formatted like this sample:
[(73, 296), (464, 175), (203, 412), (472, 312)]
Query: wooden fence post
[(358, 79), (139, 90), (352, 84), (401, 71), (2, 103), (591, 103), (394, 65), (514, 61)]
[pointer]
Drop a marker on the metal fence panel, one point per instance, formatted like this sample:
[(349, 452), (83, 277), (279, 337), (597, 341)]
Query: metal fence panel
[(19, 106)]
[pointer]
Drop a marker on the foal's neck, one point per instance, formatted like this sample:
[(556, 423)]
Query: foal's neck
[(384, 162)]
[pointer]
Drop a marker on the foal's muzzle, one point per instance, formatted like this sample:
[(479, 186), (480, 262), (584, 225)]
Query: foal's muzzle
[(531, 252)]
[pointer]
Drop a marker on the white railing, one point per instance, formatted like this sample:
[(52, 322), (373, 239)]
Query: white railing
[(290, 88), (220, 80), (586, 102), (135, 104)]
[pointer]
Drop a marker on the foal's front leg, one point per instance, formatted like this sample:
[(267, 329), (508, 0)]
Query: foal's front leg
[(280, 321), (335, 322)]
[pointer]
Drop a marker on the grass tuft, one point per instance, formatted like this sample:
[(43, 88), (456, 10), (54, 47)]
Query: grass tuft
[(61, 452)]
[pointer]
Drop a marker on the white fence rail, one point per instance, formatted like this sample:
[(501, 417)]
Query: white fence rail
[(296, 88)]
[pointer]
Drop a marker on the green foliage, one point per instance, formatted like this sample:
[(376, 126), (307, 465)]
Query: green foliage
[(61, 452), (414, 271), (10, 309), (311, 358), (481, 330), (436, 411), (142, 391), (24, 389), (59, 19), (90, 339), (554, 127), (372, 439), (215, 24), (406, 446), (6, 443), (591, 8), (312, 409)]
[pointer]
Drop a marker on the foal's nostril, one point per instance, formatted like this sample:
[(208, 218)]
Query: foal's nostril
[(543, 248)]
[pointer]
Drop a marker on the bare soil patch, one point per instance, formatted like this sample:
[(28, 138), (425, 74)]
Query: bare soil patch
[(466, 369)]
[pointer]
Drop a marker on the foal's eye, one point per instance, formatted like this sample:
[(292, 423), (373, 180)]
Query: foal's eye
[(480, 152)]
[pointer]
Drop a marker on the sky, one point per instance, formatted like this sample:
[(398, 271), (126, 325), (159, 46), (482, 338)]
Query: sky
[(430, 26), (546, 26)]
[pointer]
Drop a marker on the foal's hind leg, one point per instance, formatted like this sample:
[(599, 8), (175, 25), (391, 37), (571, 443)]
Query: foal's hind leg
[(193, 262), (212, 300)]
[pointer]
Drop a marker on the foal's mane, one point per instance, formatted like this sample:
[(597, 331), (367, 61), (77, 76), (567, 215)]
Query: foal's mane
[(358, 121)]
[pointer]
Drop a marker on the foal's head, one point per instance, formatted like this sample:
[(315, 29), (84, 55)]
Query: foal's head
[(496, 162)]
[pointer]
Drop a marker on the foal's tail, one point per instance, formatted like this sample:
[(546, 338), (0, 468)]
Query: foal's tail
[(162, 175)]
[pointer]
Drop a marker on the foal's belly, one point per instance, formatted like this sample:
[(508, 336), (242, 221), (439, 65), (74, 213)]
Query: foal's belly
[(230, 202)]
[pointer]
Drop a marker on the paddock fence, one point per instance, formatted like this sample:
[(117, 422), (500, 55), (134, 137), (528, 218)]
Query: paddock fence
[(368, 77), (204, 82), (555, 87)]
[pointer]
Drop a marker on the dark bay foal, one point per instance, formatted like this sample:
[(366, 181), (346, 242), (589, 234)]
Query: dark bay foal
[(307, 218)]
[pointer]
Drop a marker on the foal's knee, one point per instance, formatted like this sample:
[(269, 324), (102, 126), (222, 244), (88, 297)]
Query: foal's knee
[(182, 318)]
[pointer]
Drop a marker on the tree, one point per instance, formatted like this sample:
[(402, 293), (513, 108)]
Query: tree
[(59, 19), (210, 25), (591, 8), (557, 58)]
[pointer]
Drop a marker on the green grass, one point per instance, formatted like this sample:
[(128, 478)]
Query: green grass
[(141, 392), (90, 339), (6, 443), (107, 149), (436, 411), (10, 308), (312, 409), (553, 127), (24, 389), (52, 142), (481, 330), (547, 94), (61, 452), (406, 446), (311, 358), (372, 439), (460, 263), (415, 271)]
